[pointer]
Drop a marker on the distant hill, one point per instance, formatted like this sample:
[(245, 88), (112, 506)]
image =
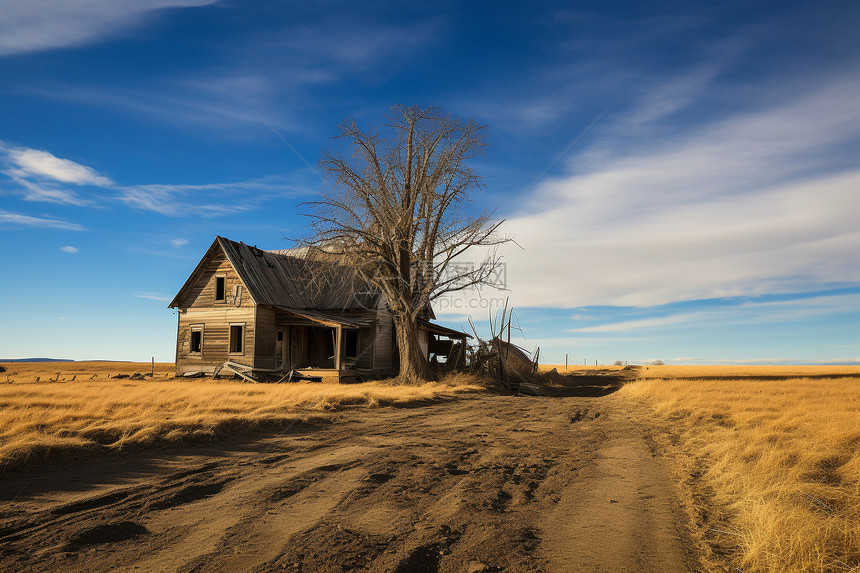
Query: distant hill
[(36, 360)]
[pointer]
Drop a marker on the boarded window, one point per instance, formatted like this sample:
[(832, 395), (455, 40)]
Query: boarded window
[(196, 339), (237, 338), (350, 343), (220, 288)]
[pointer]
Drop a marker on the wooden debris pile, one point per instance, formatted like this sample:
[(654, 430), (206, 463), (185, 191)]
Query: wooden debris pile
[(498, 358), (257, 375)]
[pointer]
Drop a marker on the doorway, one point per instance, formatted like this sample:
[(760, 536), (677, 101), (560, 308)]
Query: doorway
[(281, 350)]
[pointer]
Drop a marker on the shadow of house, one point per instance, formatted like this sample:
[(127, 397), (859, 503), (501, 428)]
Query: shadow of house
[(272, 312)]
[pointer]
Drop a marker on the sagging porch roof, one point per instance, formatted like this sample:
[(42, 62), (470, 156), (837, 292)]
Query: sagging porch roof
[(328, 318), (439, 329)]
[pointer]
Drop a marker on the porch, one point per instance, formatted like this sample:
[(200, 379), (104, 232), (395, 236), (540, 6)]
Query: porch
[(323, 346)]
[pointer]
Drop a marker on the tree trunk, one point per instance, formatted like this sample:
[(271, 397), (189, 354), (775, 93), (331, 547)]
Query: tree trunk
[(413, 366)]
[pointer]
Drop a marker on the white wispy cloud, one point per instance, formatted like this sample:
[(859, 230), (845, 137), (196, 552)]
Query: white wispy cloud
[(153, 296), (37, 163), (69, 249), (38, 175), (10, 219), (749, 312), (178, 243), (227, 101), (652, 323), (746, 205), (260, 80), (46, 192), (45, 24), (207, 200), (41, 176)]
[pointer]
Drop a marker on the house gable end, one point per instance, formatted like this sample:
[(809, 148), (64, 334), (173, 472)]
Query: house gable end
[(198, 288)]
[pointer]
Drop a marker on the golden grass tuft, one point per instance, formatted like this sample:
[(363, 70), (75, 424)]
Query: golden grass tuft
[(772, 468), (54, 420)]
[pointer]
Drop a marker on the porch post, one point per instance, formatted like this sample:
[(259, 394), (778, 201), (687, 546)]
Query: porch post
[(373, 349), (337, 344)]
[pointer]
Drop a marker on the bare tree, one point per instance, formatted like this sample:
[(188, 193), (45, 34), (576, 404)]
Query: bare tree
[(396, 214)]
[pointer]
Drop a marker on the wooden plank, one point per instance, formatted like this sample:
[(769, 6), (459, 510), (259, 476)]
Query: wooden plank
[(202, 293), (265, 347), (238, 371), (216, 335), (337, 347)]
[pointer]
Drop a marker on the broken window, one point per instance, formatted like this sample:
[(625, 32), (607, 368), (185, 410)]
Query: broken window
[(196, 339), (220, 289), (237, 338), (350, 343)]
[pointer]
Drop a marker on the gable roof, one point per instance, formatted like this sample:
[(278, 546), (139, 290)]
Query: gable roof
[(277, 279)]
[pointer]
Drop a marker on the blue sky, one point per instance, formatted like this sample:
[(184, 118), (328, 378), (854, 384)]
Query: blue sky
[(681, 178)]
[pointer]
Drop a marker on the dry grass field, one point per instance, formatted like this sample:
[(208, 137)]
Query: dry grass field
[(698, 372), (27, 372), (770, 468), (576, 367), (51, 420), (710, 371), (767, 458)]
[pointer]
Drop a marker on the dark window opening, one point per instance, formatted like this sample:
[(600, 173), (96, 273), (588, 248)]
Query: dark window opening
[(220, 288), (350, 343), (279, 349), (237, 332), (196, 340)]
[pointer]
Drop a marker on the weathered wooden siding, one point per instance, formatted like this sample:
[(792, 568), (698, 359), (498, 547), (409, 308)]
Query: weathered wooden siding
[(306, 342), (202, 294), (267, 338), (216, 338), (364, 359), (385, 349)]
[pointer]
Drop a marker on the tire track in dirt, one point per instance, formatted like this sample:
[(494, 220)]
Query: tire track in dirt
[(621, 514), (490, 483)]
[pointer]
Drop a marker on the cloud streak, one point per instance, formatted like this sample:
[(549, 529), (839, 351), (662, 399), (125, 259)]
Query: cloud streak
[(36, 163), (209, 200), (755, 203), (269, 74), (10, 219), (152, 296), (48, 24), (747, 312), (41, 176)]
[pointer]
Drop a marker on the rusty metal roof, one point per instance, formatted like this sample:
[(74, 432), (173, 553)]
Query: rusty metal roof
[(275, 279)]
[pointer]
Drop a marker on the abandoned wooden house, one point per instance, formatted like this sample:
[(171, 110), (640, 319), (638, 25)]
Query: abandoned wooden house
[(270, 312)]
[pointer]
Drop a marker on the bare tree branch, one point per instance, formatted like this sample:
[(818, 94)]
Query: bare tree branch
[(397, 214)]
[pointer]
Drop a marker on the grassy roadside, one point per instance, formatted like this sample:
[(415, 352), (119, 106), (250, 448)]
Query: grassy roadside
[(56, 420), (770, 469)]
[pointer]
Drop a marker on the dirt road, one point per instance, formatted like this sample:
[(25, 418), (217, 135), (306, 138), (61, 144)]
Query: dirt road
[(489, 483)]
